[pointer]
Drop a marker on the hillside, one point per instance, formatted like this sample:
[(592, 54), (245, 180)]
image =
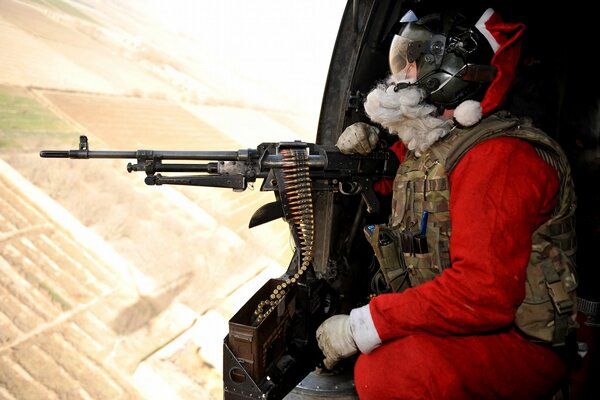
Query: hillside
[(131, 75)]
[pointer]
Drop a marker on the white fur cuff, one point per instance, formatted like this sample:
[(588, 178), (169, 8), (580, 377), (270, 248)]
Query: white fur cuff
[(363, 329)]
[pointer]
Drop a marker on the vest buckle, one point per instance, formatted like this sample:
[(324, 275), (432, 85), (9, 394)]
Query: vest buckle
[(561, 299)]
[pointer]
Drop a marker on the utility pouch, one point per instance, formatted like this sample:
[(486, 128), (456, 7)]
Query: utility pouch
[(548, 312), (422, 260), (386, 247), (413, 243), (420, 267)]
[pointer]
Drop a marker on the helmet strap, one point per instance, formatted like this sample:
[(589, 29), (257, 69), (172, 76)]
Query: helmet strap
[(440, 110), (404, 85), (479, 73)]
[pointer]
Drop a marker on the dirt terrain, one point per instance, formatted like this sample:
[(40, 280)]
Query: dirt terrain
[(110, 288), (55, 295)]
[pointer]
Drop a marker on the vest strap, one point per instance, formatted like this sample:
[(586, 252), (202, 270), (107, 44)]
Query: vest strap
[(563, 305)]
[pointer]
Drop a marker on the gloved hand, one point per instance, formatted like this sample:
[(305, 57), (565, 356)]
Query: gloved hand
[(358, 138), (335, 339)]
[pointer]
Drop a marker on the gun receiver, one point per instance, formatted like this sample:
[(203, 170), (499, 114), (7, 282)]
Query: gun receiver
[(271, 343)]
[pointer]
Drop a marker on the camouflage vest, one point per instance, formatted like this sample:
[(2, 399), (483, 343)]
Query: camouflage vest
[(420, 225)]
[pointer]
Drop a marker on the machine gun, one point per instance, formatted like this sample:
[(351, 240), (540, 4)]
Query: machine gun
[(330, 170), (271, 343)]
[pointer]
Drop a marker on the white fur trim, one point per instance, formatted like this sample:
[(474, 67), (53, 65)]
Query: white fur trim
[(468, 113), (480, 25), (363, 329)]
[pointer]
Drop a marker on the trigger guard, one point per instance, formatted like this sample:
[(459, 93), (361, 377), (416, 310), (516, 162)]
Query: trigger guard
[(349, 188)]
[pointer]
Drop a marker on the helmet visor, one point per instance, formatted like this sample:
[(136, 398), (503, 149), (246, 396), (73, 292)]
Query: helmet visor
[(400, 66)]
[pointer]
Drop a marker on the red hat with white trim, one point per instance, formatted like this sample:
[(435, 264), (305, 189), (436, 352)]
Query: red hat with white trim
[(505, 40), (465, 67)]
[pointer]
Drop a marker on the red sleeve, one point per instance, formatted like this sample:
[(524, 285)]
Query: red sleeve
[(501, 191)]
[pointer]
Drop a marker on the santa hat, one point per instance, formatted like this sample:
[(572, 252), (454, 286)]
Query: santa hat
[(505, 40)]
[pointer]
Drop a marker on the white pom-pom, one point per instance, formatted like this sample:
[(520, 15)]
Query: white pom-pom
[(468, 113)]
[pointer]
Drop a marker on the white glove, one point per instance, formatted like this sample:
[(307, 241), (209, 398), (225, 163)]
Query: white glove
[(335, 339), (358, 138)]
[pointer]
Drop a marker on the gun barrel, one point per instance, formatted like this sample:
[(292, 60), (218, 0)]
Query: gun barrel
[(54, 153), (85, 154), (239, 155)]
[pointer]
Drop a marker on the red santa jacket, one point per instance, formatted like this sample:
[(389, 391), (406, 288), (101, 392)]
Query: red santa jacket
[(501, 191)]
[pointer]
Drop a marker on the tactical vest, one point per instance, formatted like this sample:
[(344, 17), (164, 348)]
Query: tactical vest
[(420, 228)]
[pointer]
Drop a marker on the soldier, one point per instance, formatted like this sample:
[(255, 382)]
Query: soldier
[(482, 227)]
